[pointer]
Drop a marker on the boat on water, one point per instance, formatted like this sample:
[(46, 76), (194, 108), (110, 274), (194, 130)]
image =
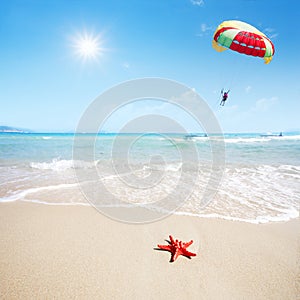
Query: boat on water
[(271, 134), (193, 135)]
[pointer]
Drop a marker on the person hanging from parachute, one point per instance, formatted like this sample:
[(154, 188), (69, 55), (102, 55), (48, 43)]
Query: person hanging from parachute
[(224, 97), (243, 38)]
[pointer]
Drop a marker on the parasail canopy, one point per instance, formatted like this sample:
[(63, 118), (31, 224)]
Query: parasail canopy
[(243, 38)]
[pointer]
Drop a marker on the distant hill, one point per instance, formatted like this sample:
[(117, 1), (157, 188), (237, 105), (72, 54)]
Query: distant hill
[(11, 129)]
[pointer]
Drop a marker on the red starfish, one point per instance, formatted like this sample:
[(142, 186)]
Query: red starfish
[(177, 248)]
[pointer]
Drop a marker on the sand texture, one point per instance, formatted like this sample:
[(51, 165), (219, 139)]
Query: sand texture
[(68, 252)]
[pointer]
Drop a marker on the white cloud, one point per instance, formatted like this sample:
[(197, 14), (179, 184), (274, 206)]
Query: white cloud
[(264, 104), (273, 36), (205, 29), (270, 32), (126, 65), (269, 29), (197, 2), (248, 89)]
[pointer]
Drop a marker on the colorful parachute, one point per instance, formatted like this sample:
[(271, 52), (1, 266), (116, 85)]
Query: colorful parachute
[(243, 38)]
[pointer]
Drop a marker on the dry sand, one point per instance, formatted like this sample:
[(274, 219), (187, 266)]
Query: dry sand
[(60, 252)]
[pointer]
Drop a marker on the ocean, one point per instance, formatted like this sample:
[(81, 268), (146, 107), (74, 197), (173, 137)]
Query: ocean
[(259, 181)]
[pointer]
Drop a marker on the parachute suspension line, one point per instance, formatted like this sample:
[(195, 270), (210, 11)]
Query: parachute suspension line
[(229, 72), (237, 65)]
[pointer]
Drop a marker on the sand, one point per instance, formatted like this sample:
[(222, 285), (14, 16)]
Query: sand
[(68, 252)]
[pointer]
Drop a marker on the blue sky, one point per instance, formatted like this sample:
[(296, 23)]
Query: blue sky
[(44, 86)]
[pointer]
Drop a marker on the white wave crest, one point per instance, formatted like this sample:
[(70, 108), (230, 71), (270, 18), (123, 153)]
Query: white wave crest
[(172, 167), (62, 165), (262, 139), (247, 140)]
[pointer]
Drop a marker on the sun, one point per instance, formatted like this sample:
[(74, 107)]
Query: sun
[(88, 46)]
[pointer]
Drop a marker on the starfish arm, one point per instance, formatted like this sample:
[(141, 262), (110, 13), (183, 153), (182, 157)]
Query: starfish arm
[(188, 244), (164, 247), (171, 240), (175, 254), (188, 253)]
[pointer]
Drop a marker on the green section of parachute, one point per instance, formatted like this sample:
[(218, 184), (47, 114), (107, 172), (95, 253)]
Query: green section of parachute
[(225, 39)]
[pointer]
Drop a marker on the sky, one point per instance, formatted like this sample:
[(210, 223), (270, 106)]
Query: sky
[(49, 76)]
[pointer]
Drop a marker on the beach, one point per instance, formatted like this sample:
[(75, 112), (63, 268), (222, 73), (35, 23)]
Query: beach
[(55, 244), (140, 160), (68, 252)]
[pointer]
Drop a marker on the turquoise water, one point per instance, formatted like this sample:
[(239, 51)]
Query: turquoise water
[(260, 181)]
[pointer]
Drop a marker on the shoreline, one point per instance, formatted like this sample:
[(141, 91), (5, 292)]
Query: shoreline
[(258, 221), (74, 251)]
